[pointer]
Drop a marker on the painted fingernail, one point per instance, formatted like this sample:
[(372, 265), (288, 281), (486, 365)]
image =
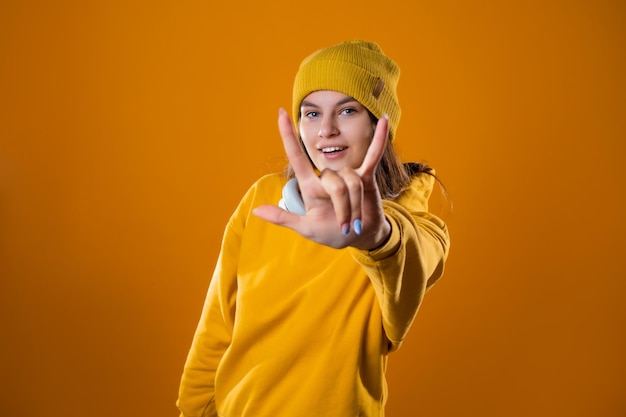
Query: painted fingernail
[(345, 229), (358, 227)]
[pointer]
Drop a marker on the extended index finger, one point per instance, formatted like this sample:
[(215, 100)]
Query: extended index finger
[(295, 153), (376, 148)]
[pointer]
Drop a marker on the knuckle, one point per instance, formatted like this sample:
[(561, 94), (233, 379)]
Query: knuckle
[(338, 188), (353, 182), (333, 182)]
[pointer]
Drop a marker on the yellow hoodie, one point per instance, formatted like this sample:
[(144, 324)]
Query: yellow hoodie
[(291, 328)]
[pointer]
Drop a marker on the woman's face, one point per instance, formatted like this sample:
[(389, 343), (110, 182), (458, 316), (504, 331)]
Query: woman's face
[(336, 130)]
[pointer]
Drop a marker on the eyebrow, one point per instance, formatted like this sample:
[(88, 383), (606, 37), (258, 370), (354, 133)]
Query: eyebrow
[(339, 103)]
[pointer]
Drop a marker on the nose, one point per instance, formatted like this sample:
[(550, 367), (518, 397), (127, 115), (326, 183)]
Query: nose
[(328, 128)]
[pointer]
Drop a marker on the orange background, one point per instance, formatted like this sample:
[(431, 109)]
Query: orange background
[(129, 131)]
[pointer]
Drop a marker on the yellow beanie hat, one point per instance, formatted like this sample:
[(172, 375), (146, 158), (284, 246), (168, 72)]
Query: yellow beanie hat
[(356, 68)]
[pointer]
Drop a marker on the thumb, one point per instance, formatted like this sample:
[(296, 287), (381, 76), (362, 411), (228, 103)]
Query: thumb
[(275, 215)]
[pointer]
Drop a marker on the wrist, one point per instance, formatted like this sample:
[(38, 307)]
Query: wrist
[(385, 234)]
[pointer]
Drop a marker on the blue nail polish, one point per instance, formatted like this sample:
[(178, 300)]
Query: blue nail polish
[(358, 227), (345, 229)]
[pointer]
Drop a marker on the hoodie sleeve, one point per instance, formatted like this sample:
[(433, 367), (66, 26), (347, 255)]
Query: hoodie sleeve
[(411, 260)]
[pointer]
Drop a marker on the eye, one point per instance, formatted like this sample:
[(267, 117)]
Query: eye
[(348, 111), (311, 114)]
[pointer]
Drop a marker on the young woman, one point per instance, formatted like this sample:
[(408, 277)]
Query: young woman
[(304, 308)]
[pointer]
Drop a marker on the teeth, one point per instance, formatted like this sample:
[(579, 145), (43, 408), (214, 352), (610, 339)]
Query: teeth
[(332, 149)]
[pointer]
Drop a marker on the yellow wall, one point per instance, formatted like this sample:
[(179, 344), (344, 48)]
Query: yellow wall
[(129, 131)]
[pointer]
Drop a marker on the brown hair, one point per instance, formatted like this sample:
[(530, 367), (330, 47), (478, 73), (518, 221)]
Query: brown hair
[(393, 176)]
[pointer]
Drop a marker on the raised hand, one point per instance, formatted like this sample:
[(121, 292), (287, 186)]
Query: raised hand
[(343, 207)]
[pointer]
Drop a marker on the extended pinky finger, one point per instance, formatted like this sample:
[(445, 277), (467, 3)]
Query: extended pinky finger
[(376, 149)]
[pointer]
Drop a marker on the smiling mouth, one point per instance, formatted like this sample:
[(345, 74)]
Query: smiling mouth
[(333, 149)]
